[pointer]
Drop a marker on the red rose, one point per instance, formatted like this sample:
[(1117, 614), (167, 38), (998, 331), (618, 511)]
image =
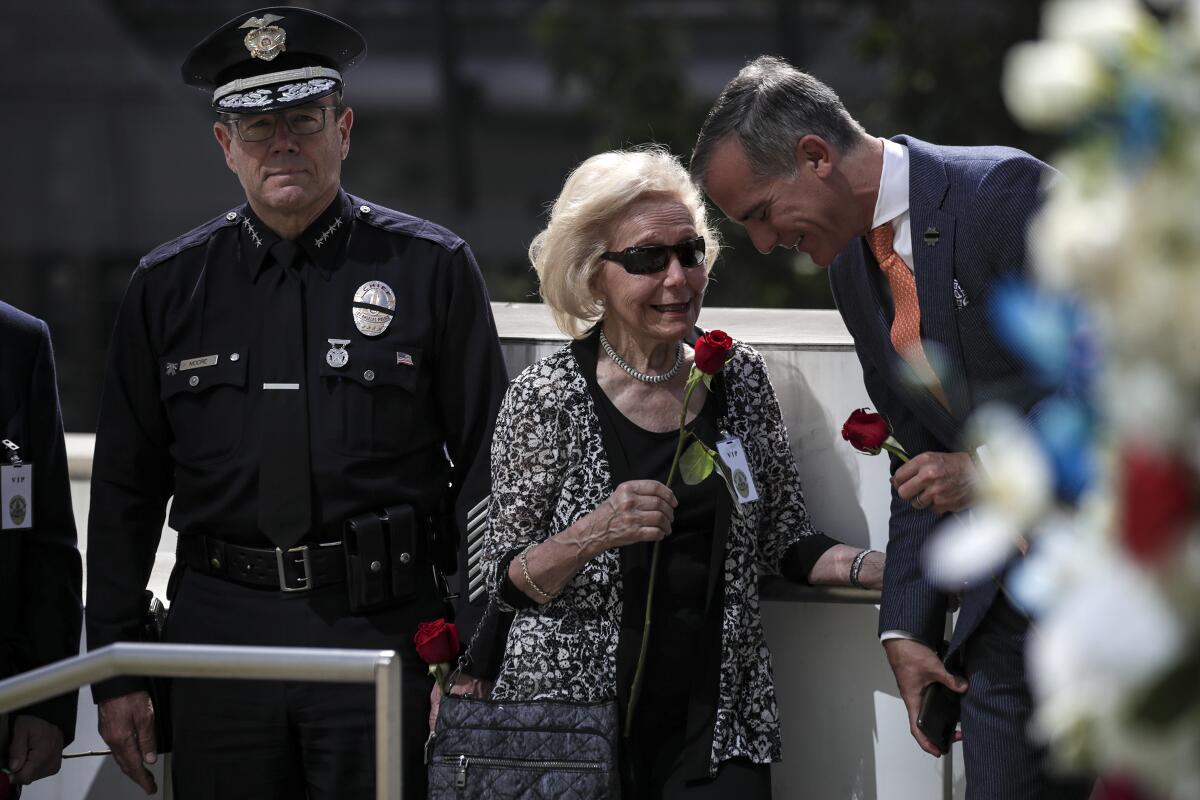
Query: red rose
[(712, 351), (437, 641), (1119, 788), (1157, 500), (866, 431)]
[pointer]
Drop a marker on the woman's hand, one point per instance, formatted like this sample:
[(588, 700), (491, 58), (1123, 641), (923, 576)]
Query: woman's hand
[(462, 685), (638, 511)]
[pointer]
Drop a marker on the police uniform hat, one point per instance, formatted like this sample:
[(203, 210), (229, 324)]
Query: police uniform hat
[(273, 58)]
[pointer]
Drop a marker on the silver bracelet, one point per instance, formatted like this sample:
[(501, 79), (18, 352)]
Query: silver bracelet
[(856, 566)]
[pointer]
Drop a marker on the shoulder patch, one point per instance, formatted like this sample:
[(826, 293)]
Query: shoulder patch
[(192, 238), (393, 221)]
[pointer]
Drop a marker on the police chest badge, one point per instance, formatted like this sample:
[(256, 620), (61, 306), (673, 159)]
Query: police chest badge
[(337, 356), (374, 307)]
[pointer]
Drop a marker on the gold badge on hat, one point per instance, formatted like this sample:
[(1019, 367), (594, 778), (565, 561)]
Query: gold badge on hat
[(265, 40), (374, 306)]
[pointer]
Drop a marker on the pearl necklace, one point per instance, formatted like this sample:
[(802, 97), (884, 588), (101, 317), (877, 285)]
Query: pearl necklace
[(642, 376)]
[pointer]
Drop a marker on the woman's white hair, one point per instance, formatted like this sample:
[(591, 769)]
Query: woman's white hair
[(593, 201)]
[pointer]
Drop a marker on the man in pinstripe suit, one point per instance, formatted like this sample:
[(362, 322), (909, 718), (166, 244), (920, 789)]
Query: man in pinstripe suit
[(915, 236)]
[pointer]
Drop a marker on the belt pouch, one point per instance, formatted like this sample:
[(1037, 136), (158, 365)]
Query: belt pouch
[(368, 569), (401, 522)]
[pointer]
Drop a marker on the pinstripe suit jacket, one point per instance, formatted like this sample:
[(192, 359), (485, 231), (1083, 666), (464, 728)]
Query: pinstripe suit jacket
[(970, 207)]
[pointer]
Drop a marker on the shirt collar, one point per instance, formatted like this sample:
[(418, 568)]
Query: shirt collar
[(892, 200), (322, 241)]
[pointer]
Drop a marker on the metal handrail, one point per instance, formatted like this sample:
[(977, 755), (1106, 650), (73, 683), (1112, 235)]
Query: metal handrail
[(380, 667), (771, 587)]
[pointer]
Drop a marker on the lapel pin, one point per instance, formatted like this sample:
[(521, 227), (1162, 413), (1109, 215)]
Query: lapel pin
[(931, 236)]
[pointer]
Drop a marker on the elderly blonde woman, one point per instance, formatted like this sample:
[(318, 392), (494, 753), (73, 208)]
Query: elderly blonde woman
[(584, 439)]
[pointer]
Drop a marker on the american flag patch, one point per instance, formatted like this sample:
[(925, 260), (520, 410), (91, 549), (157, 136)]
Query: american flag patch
[(403, 359)]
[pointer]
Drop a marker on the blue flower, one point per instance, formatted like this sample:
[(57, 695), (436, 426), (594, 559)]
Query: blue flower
[(1140, 126), (1048, 333), (1064, 427)]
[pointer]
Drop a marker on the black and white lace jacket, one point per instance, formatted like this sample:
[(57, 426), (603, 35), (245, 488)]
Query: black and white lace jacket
[(549, 468)]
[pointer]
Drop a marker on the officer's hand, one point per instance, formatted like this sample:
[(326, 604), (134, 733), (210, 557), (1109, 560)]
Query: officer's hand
[(638, 511), (127, 726), (35, 751)]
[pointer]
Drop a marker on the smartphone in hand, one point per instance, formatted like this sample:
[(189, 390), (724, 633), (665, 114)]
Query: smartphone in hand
[(938, 716)]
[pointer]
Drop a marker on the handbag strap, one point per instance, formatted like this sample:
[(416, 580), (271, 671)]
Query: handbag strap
[(464, 660)]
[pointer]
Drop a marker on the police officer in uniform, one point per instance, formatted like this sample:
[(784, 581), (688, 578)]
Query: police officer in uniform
[(305, 375), (40, 579)]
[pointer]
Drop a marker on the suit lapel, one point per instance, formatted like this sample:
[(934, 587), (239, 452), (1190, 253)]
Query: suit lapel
[(934, 270)]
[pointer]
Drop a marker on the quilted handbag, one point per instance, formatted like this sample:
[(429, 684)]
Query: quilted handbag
[(523, 750)]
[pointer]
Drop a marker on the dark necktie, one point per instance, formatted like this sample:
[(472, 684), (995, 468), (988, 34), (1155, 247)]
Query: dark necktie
[(906, 322), (284, 473)]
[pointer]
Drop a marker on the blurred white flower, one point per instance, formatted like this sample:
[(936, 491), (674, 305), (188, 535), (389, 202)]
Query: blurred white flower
[(1051, 85), (1109, 635), (1078, 237), (1144, 403), (1016, 480), (1097, 24), (1061, 554), (970, 548)]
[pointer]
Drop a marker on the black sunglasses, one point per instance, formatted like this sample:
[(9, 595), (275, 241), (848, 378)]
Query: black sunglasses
[(652, 258)]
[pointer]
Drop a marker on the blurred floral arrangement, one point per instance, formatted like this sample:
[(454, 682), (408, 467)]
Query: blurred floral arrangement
[(1102, 476)]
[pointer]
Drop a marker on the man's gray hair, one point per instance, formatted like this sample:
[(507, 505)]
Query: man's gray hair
[(769, 106)]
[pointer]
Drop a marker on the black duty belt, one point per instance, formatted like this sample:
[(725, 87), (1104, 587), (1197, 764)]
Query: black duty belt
[(297, 569)]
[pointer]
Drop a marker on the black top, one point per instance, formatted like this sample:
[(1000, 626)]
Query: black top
[(40, 612), (385, 427), (678, 635)]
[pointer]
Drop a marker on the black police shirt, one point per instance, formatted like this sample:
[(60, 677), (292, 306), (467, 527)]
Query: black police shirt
[(385, 424)]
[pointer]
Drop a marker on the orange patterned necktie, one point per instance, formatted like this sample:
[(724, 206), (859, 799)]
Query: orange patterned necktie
[(906, 324)]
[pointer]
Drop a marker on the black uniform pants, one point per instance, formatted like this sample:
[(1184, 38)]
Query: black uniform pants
[(261, 740)]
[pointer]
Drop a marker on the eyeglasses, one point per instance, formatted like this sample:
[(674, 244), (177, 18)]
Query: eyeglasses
[(652, 258), (302, 121)]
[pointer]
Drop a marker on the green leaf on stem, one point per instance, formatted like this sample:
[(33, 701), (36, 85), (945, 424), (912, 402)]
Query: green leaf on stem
[(696, 463)]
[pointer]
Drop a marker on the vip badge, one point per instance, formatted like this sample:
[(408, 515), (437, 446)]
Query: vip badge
[(16, 496), (374, 307), (337, 356)]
